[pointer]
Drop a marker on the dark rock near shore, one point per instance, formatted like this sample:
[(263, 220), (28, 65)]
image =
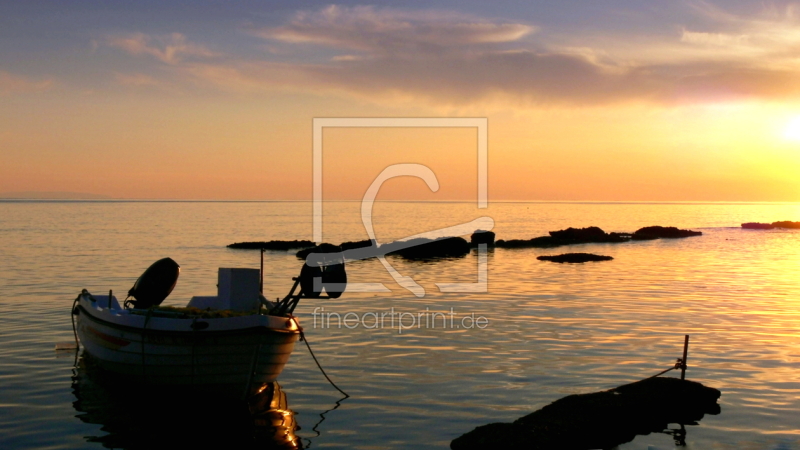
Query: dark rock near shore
[(574, 258), (482, 237), (272, 245), (656, 232), (419, 248), (579, 233), (537, 242), (757, 226), (569, 236), (586, 235), (344, 246), (786, 224), (356, 244), (600, 419), (303, 254), (456, 246), (770, 226), (452, 247)]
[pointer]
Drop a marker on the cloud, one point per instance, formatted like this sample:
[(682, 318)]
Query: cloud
[(170, 49), (384, 55), (246, 77), (516, 78), (10, 84), (346, 58), (523, 77), (388, 31), (768, 39), (717, 39), (527, 77)]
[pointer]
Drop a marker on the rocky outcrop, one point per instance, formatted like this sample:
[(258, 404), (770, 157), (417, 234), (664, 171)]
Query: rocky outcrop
[(589, 234), (600, 419), (456, 246), (786, 224), (569, 236), (420, 248), (574, 258), (537, 242), (482, 237), (350, 245), (452, 247), (656, 232), (770, 226), (272, 245), (757, 226), (344, 246)]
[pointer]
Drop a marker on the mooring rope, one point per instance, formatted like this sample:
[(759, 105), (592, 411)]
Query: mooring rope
[(72, 316), (303, 337), (322, 418), (678, 365)]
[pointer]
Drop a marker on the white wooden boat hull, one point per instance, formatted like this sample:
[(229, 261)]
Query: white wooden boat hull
[(234, 355)]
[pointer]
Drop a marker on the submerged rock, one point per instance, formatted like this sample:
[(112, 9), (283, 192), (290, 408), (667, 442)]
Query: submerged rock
[(574, 258), (600, 419), (272, 245), (656, 232)]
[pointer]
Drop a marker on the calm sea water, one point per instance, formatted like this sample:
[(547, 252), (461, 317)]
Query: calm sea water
[(552, 329)]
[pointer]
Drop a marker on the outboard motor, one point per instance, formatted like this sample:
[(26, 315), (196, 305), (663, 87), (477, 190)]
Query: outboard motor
[(155, 284), (327, 267)]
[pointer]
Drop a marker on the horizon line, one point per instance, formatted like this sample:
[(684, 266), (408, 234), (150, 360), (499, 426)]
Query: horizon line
[(157, 200)]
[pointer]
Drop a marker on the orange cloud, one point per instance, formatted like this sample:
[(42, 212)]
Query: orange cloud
[(382, 31), (454, 60), (170, 49)]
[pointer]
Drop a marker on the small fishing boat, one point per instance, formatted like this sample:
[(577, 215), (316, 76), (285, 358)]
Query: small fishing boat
[(230, 344)]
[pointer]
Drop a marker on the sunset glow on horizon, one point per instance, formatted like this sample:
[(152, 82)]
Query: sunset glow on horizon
[(675, 101), (793, 129)]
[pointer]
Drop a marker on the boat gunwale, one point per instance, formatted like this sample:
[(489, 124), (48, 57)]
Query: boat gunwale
[(150, 331)]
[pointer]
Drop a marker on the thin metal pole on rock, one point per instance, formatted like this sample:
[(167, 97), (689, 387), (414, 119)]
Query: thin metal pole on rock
[(685, 354)]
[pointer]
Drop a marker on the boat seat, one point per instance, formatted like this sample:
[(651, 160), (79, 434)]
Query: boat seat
[(212, 302)]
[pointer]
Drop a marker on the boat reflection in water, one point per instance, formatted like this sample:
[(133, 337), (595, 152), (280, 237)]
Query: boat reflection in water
[(148, 417)]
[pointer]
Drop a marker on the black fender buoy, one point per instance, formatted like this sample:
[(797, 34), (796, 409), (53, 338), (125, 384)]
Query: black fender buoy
[(334, 278), (327, 264), (307, 276), (155, 284)]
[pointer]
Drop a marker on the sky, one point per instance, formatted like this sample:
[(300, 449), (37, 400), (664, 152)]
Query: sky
[(585, 100)]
